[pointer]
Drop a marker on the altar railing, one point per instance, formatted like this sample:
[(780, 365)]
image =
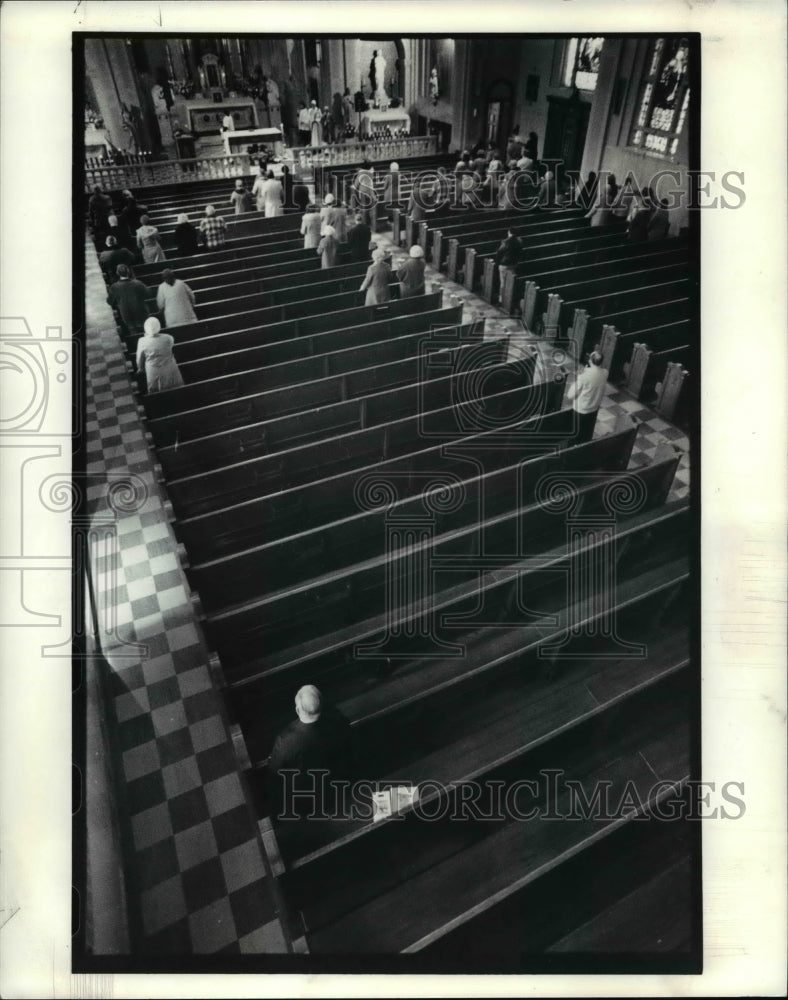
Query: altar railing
[(305, 160)]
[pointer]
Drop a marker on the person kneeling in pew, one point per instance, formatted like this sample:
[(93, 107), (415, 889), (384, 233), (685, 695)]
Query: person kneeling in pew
[(318, 740)]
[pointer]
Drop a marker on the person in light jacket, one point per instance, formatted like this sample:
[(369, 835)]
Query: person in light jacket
[(376, 280), (586, 394), (328, 247), (176, 300), (411, 274), (311, 224), (154, 351)]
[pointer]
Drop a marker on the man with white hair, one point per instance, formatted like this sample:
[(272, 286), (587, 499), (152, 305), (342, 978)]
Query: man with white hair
[(317, 740), (213, 228), (586, 395)]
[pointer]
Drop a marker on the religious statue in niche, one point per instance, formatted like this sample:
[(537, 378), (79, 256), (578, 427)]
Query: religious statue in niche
[(377, 75), (272, 93), (434, 88)]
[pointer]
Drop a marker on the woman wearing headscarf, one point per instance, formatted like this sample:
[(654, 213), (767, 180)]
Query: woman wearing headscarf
[(241, 198), (311, 224), (154, 351), (328, 247), (411, 274), (148, 242), (185, 236), (176, 300), (376, 280)]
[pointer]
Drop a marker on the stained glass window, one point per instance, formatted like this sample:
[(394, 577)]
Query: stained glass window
[(664, 101)]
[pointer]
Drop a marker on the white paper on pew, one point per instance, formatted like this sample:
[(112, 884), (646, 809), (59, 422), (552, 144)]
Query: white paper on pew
[(392, 800)]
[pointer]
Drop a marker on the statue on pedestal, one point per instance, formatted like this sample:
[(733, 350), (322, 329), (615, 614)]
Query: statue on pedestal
[(433, 86), (377, 74)]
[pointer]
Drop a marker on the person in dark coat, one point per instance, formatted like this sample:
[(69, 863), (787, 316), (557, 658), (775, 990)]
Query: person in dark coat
[(129, 297), (286, 180), (185, 237), (508, 254), (114, 255), (318, 740), (300, 195), (99, 210), (359, 238), (411, 274)]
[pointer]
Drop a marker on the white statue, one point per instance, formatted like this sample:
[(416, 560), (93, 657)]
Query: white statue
[(434, 90), (377, 73), (272, 89)]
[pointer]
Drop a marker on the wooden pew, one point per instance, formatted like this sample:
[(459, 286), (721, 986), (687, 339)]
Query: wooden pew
[(578, 315), (615, 339), (488, 676), (322, 321), (394, 424), (581, 241), (647, 367), (454, 235), (675, 401), (387, 340), (229, 529), (492, 862), (296, 624), (272, 564), (552, 273)]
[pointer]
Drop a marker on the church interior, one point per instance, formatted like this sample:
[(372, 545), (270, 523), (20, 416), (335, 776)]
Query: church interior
[(353, 458)]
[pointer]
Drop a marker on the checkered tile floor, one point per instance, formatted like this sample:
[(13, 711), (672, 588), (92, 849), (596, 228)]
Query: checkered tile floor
[(197, 877)]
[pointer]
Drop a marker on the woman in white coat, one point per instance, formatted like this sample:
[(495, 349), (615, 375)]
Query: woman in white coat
[(176, 300)]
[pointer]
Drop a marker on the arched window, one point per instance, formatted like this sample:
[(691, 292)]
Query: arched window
[(581, 62), (664, 98)]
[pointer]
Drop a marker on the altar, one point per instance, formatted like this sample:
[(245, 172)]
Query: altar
[(203, 117), (376, 119), (239, 140)]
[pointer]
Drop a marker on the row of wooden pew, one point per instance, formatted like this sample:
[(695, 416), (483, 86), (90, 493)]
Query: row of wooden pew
[(311, 431), (587, 284)]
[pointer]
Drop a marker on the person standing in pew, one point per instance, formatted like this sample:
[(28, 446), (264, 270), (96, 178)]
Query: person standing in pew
[(328, 247), (391, 185), (122, 236), (241, 198), (213, 228), (359, 239), (286, 179), (337, 217), (185, 236), (586, 394), (300, 195), (376, 280), (601, 213), (129, 297), (148, 242), (411, 274), (154, 351), (319, 739), (311, 224), (271, 194), (508, 254), (176, 300), (547, 191), (114, 255)]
